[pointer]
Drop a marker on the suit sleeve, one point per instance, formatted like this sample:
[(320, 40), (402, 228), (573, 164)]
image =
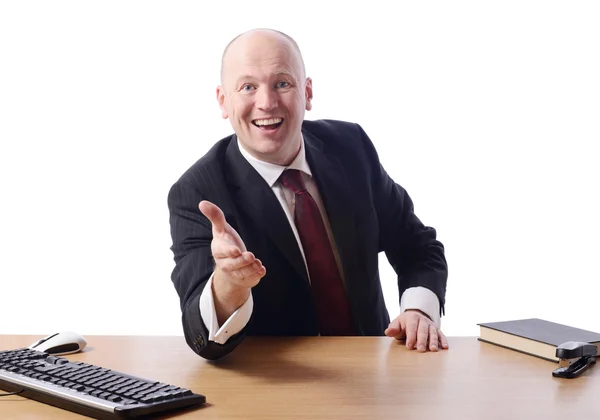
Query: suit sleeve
[(191, 233), (411, 247)]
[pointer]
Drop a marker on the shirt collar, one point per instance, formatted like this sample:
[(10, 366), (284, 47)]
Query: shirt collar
[(270, 171)]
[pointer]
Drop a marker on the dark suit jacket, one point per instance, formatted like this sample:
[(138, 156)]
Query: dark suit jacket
[(369, 213)]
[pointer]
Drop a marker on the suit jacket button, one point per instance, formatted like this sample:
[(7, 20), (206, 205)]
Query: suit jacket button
[(199, 342)]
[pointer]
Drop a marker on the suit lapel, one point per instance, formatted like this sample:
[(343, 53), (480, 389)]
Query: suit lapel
[(257, 200)]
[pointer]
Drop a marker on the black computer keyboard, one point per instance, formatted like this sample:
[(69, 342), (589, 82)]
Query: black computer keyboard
[(88, 389)]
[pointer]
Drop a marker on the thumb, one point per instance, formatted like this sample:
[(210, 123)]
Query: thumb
[(394, 328), (214, 214)]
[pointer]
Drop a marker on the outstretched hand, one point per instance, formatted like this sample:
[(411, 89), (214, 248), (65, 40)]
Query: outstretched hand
[(238, 266), (418, 330)]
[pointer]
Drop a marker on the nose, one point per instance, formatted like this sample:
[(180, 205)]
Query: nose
[(266, 99)]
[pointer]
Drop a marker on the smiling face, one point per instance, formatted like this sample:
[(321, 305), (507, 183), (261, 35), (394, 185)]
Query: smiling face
[(264, 93)]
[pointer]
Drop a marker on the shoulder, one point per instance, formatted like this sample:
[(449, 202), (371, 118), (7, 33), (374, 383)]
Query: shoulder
[(339, 137), (332, 129)]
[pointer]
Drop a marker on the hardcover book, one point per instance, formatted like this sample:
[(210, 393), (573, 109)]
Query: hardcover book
[(534, 336)]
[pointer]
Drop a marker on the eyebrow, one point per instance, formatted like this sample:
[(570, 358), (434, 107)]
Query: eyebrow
[(249, 77)]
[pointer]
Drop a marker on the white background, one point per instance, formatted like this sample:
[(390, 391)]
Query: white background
[(486, 112)]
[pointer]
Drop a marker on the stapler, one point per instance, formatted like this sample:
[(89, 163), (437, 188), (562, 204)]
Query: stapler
[(574, 358)]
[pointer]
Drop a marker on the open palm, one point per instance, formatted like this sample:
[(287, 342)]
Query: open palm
[(229, 251)]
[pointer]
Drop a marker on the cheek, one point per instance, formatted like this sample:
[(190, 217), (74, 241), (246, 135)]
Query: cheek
[(298, 102), (243, 108)]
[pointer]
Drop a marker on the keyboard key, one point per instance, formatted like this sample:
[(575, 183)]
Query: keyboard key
[(104, 395), (148, 399), (114, 398)]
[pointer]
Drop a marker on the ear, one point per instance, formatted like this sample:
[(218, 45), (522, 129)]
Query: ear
[(308, 92), (221, 100)]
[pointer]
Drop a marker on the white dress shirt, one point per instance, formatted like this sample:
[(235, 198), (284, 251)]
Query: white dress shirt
[(419, 298)]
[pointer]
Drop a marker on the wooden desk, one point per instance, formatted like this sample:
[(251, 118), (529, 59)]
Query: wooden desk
[(339, 378)]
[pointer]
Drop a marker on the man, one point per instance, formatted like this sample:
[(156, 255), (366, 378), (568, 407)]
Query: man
[(277, 229)]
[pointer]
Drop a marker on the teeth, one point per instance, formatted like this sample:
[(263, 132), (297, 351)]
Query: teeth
[(268, 122)]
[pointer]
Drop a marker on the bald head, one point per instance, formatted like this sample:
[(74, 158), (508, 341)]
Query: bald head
[(264, 92), (255, 37)]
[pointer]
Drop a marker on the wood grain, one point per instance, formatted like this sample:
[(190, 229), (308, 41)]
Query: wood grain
[(339, 378)]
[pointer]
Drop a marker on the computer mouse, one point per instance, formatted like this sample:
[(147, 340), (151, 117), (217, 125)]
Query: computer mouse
[(64, 342)]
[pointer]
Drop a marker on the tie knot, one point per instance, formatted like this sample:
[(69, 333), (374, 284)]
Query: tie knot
[(292, 178)]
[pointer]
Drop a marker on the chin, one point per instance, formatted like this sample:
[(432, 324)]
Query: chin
[(274, 152), (269, 147)]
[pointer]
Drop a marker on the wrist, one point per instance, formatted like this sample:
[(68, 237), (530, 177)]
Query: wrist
[(419, 311), (226, 293)]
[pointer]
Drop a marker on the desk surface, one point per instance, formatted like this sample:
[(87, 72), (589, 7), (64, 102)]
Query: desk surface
[(335, 378)]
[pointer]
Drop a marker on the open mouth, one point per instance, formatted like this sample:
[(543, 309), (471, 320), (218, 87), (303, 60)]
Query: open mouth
[(268, 124)]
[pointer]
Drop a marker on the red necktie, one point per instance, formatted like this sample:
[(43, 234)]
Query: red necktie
[(333, 309)]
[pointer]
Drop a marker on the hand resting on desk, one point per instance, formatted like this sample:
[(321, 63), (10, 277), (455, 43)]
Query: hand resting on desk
[(416, 328)]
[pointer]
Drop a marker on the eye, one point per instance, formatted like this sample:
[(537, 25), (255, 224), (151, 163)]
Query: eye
[(282, 85), (247, 88)]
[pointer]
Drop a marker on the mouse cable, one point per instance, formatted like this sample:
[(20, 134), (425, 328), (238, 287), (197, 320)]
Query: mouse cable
[(11, 393)]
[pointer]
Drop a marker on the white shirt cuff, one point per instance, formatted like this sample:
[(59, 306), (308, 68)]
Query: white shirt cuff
[(423, 299), (234, 324)]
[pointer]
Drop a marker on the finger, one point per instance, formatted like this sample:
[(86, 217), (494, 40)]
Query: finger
[(402, 322), (443, 340), (247, 276), (394, 329), (253, 280), (433, 337), (222, 249), (230, 263), (422, 334), (247, 270), (412, 323), (214, 214)]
